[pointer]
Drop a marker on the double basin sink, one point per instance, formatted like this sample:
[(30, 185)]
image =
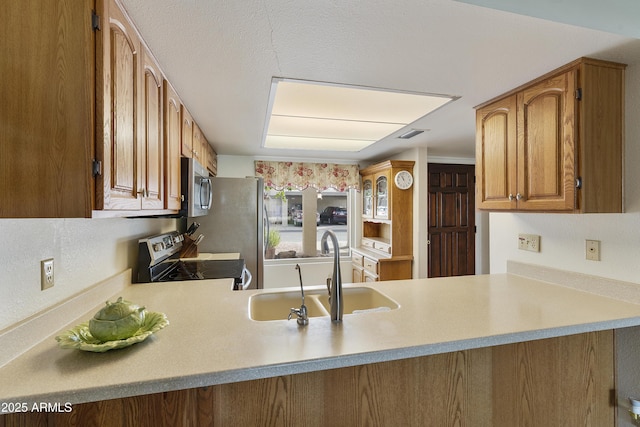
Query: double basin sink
[(278, 304)]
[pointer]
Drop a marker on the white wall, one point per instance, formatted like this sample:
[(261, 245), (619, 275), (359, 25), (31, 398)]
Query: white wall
[(85, 252), (562, 235)]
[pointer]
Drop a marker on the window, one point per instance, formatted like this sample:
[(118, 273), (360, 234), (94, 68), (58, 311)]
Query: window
[(296, 238), (303, 201)]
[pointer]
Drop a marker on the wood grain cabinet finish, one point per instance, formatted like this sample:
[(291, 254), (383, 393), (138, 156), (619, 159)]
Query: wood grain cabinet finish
[(555, 144), (121, 116), (172, 141), (47, 132), (387, 225), (565, 381), (90, 139), (212, 160), (153, 135), (187, 132), (199, 145)]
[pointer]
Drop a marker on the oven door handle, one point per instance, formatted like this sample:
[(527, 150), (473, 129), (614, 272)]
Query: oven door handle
[(246, 278), (209, 193)]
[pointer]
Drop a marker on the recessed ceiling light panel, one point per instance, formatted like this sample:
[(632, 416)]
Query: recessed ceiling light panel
[(309, 115)]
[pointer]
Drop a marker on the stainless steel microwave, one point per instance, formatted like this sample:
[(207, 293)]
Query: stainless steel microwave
[(196, 188)]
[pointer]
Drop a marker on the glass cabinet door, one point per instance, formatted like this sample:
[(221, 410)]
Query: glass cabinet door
[(382, 197), (367, 197)]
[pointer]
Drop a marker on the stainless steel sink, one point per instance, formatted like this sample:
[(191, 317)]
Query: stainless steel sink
[(277, 305)]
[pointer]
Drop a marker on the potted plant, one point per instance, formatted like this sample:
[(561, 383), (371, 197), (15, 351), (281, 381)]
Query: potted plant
[(273, 240)]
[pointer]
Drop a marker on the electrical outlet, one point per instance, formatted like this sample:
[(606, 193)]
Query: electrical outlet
[(46, 274), (592, 250), (529, 242)]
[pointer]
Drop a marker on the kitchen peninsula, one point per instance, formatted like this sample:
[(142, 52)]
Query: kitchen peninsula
[(474, 350)]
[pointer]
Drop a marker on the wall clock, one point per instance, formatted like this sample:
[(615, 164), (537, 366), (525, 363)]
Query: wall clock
[(403, 180)]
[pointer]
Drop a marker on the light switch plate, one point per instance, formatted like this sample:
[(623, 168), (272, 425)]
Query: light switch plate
[(529, 242)]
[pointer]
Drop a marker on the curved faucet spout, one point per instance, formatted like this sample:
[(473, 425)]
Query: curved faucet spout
[(335, 292)]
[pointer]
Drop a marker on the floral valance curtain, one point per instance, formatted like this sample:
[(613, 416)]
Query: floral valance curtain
[(295, 175)]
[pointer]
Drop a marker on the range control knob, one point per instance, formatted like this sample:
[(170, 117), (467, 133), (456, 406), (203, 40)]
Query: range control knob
[(157, 247)]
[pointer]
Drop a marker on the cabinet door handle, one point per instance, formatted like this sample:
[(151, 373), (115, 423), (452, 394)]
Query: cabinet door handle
[(519, 196), (510, 197)]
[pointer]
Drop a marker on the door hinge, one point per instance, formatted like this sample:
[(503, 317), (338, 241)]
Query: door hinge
[(97, 167), (95, 20), (579, 182), (579, 94)]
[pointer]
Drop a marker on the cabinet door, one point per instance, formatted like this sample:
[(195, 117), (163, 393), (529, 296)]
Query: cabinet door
[(153, 153), (199, 143), (212, 160), (46, 109), (496, 144), (382, 196), (120, 180), (546, 151), (187, 133), (172, 133), (357, 274), (367, 197)]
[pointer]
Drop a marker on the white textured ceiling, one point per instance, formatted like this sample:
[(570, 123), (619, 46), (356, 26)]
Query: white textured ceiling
[(221, 56)]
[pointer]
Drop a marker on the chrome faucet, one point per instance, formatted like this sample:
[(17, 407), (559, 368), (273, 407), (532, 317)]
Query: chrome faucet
[(300, 313), (335, 286)]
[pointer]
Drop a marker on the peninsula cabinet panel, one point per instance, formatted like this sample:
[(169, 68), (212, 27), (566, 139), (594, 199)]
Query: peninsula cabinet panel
[(47, 134), (555, 144), (564, 381)]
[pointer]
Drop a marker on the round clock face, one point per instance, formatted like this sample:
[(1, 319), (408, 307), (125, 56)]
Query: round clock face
[(403, 180)]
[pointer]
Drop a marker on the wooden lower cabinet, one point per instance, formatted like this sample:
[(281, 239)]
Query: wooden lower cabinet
[(564, 381), (368, 266)]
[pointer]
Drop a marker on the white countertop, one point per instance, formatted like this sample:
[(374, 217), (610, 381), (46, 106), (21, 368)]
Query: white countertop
[(211, 340), (205, 256)]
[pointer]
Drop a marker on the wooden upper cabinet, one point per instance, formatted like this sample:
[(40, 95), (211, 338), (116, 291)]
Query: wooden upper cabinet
[(496, 140), (199, 145), (367, 196), (212, 160), (555, 144), (153, 153), (546, 145), (98, 145), (46, 109), (121, 113), (172, 139), (381, 197), (187, 132)]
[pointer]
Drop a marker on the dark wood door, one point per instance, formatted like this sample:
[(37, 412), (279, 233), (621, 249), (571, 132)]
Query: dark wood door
[(451, 220)]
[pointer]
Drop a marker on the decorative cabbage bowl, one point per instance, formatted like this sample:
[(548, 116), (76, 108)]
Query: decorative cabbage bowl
[(117, 325)]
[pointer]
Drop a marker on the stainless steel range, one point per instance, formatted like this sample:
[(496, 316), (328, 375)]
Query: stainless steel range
[(159, 261)]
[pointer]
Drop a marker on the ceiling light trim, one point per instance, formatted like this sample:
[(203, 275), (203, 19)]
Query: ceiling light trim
[(341, 120)]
